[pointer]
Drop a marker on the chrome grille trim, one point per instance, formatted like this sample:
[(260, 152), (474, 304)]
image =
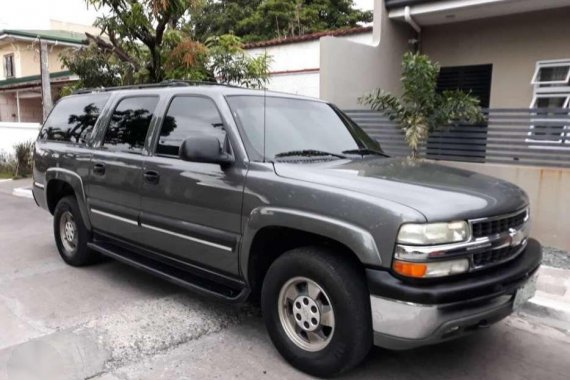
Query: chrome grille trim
[(483, 245), (499, 224)]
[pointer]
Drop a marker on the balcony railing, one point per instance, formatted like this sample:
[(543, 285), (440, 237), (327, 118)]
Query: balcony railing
[(539, 137)]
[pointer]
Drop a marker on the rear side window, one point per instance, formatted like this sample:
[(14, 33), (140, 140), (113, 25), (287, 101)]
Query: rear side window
[(188, 116), (73, 118), (129, 124)]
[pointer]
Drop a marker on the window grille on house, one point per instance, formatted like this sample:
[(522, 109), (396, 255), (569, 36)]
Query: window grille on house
[(9, 66), (476, 81), (550, 105)]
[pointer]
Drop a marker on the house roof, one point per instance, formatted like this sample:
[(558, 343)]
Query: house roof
[(390, 4), (308, 37), (32, 80), (49, 35)]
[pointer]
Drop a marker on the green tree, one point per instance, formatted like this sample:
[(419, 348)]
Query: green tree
[(146, 41), (219, 17), (229, 63), (136, 30), (421, 109), (97, 67), (255, 20)]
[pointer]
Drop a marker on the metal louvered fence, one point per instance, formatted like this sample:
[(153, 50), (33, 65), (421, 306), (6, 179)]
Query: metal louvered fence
[(539, 137)]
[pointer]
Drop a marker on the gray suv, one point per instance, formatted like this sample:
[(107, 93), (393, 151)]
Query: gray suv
[(250, 195)]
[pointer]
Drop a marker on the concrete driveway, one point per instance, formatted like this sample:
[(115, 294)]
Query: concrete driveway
[(111, 322)]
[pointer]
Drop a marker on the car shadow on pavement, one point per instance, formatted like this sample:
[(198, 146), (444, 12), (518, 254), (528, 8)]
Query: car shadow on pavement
[(500, 352)]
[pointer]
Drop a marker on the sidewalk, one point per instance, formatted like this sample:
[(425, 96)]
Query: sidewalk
[(552, 300), (551, 304)]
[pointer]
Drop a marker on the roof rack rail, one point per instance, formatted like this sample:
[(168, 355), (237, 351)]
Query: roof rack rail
[(165, 83)]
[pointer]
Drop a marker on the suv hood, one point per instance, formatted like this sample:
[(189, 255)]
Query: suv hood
[(439, 192)]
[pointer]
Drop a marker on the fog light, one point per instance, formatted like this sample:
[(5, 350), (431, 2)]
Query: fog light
[(432, 269)]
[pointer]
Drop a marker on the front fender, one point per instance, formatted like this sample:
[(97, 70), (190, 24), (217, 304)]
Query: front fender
[(356, 238), (75, 181)]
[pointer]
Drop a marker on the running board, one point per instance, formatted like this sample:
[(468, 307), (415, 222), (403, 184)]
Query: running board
[(172, 274)]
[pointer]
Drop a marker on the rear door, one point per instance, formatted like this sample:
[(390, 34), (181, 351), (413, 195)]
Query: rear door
[(191, 210), (115, 176), (64, 143)]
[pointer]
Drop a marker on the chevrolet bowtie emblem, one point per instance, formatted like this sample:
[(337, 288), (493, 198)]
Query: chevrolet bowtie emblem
[(517, 237)]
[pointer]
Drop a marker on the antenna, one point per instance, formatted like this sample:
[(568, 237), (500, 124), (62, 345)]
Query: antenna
[(264, 112)]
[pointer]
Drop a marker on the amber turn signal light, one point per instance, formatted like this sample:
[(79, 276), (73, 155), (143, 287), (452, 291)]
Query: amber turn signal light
[(431, 269), (409, 269)]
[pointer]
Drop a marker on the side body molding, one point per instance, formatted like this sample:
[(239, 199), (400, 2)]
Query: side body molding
[(75, 181), (356, 238)]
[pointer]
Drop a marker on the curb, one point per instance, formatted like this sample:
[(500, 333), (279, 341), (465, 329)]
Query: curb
[(24, 192), (552, 300)]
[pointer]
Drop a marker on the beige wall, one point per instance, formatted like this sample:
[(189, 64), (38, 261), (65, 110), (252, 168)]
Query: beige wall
[(73, 27), (513, 44), (30, 109), (8, 108), (349, 69), (30, 59), (549, 193), (27, 58)]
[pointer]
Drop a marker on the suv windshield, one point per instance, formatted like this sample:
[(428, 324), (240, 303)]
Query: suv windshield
[(297, 127)]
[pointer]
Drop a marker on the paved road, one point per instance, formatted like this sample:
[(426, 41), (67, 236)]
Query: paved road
[(111, 322)]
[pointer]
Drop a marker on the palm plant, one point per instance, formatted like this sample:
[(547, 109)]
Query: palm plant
[(421, 109), (23, 152)]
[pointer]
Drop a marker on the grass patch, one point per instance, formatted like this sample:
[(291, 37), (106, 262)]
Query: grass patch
[(6, 175)]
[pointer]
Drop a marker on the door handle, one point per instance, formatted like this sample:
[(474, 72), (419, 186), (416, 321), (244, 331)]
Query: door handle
[(151, 176), (99, 169)]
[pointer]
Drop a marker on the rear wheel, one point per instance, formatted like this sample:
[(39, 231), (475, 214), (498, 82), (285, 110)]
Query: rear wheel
[(71, 235), (316, 308)]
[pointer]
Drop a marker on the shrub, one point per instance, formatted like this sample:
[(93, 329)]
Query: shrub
[(23, 154), (7, 165), (422, 109)]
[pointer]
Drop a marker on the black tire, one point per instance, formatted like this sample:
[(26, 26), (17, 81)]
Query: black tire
[(344, 283), (81, 255)]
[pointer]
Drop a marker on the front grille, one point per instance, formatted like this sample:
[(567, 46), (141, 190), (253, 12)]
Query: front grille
[(499, 225), (494, 256)]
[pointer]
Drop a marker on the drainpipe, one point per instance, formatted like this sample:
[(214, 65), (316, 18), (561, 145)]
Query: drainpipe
[(414, 25), (18, 104)]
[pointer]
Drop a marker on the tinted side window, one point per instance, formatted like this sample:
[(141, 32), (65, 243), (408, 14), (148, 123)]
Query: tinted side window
[(129, 124), (73, 118), (188, 116)]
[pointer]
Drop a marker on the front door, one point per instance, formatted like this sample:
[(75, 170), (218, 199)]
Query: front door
[(190, 210), (115, 176)]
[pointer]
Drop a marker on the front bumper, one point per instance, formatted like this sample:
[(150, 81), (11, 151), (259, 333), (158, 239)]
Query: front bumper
[(406, 315)]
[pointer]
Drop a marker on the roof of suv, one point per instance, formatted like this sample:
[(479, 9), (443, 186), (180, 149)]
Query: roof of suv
[(192, 87)]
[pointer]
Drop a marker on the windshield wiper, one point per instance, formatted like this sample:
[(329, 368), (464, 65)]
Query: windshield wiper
[(365, 151), (308, 153)]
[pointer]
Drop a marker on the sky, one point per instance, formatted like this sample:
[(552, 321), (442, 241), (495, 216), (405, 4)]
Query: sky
[(35, 14)]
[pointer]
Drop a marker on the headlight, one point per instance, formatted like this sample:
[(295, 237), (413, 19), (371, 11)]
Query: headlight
[(433, 233), (430, 269)]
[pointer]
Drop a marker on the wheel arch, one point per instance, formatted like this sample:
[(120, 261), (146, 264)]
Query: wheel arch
[(62, 182), (272, 231)]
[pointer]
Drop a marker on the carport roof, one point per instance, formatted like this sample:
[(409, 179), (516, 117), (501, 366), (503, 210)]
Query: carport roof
[(49, 35), (33, 80)]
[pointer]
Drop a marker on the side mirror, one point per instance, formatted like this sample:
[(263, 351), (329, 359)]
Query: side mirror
[(205, 149)]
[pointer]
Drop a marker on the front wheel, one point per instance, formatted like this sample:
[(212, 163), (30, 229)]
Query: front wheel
[(316, 308)]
